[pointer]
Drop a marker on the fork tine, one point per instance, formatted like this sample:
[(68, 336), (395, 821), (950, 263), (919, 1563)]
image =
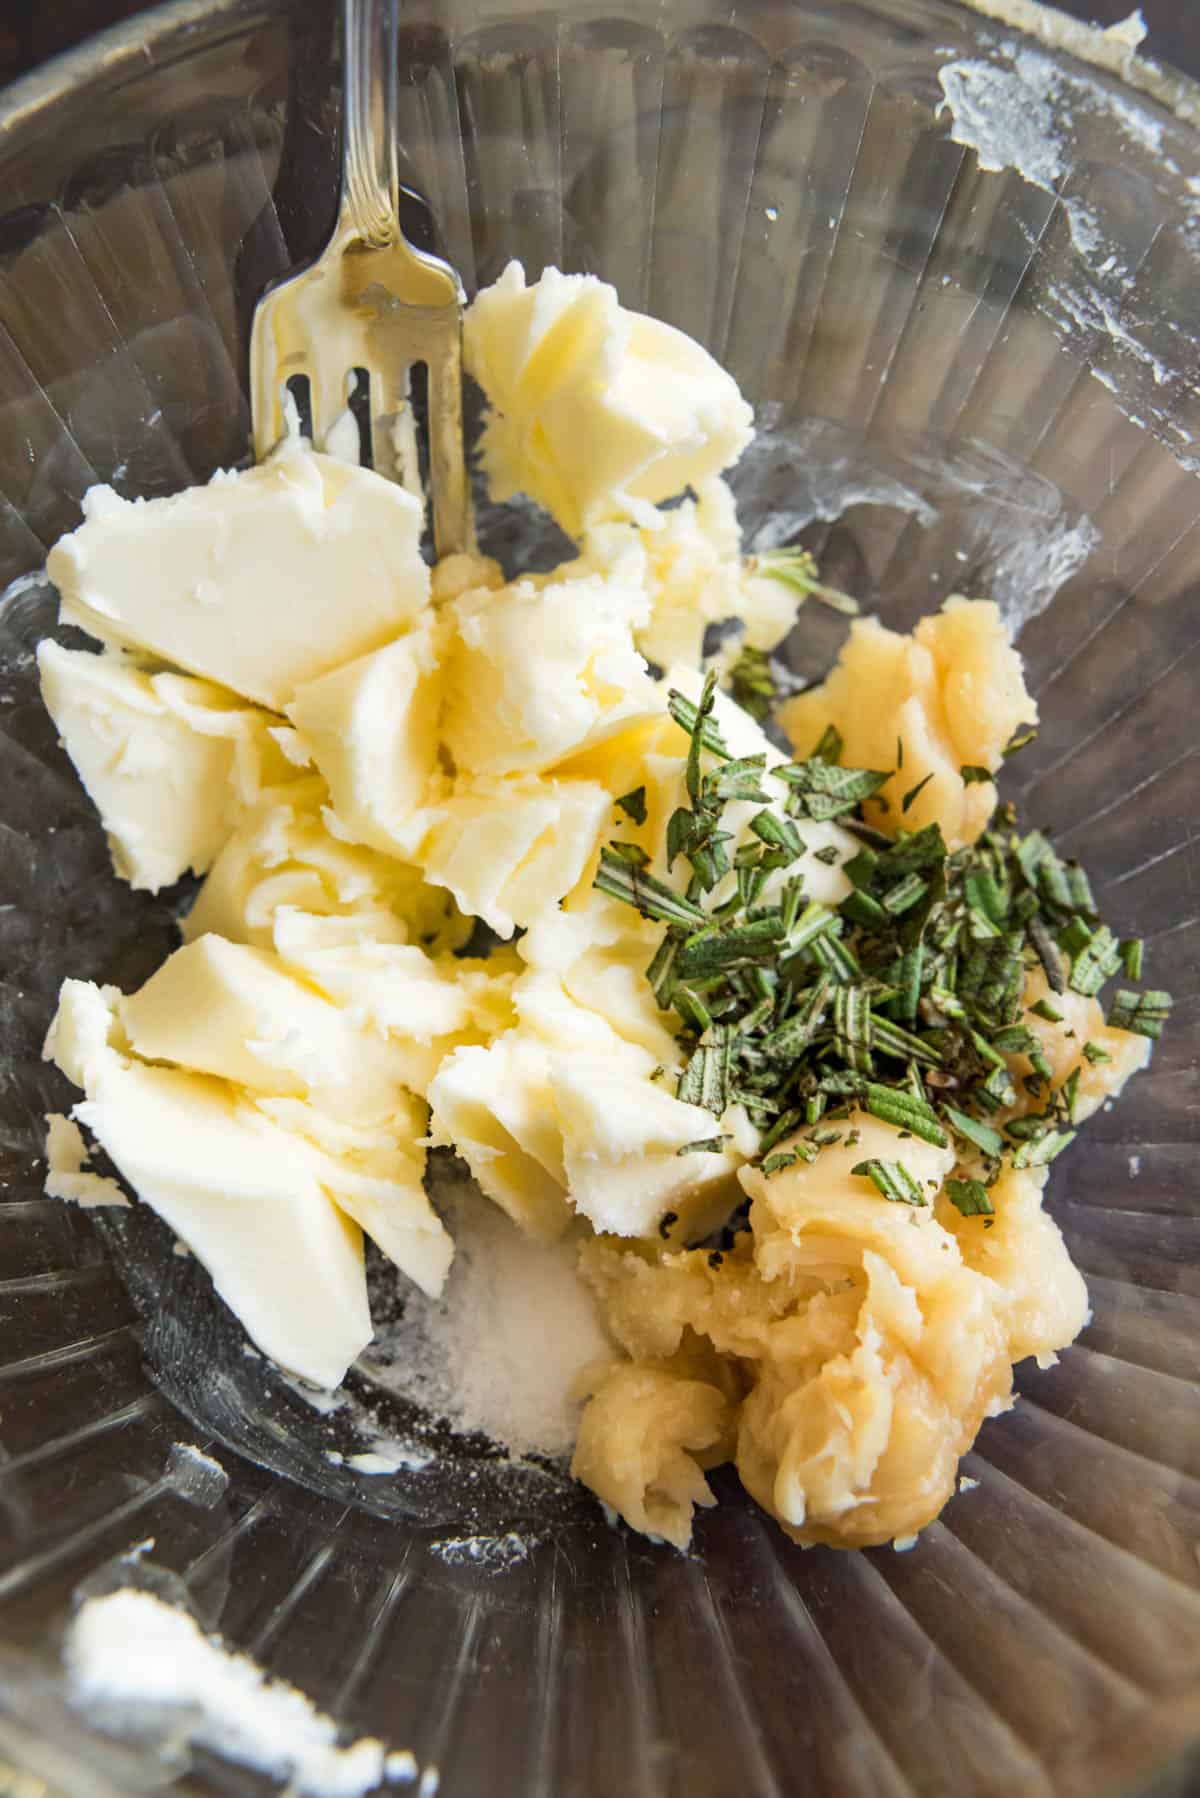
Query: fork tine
[(394, 429), (452, 526), (266, 381), (329, 393)]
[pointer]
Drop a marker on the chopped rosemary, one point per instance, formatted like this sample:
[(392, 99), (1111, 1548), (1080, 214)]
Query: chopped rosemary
[(903, 999), (797, 569), (1021, 738), (758, 684), (972, 774), (1133, 951), (825, 790), (970, 1197), (1143, 1013), (915, 792), (707, 1145), (634, 805), (893, 1180)]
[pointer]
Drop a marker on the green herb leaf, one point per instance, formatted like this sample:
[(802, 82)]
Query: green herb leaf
[(827, 790), (778, 833), (706, 1145), (893, 1180), (620, 879), (1145, 1014), (852, 1026), (905, 1111), (1021, 738), (740, 779), (1095, 962), (697, 720), (634, 805), (829, 746), (1042, 1151), (1047, 954), (972, 774), (1133, 951), (1070, 1093), (915, 792), (924, 848), (906, 893), (988, 1141), (720, 946), (752, 682), (970, 1197)]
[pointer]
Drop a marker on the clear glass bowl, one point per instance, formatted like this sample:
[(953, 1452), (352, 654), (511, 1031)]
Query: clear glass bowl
[(969, 377)]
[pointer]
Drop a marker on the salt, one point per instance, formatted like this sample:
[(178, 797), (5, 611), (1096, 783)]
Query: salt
[(127, 1652), (501, 1351)]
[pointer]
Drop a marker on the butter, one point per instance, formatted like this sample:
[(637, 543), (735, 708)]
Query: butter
[(376, 1176), (228, 1009), (372, 729), (68, 1175), (261, 580), (596, 412), (494, 1105), (241, 1192), (169, 762), (507, 849), (284, 854), (542, 670)]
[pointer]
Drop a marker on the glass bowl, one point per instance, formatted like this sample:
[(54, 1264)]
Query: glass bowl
[(956, 271)]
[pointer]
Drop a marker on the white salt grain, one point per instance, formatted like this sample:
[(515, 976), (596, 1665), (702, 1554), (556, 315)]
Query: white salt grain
[(129, 1653), (500, 1352)]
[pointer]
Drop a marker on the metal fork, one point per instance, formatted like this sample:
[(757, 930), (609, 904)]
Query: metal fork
[(371, 305)]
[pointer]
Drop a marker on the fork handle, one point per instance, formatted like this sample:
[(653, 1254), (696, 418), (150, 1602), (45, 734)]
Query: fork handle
[(370, 173)]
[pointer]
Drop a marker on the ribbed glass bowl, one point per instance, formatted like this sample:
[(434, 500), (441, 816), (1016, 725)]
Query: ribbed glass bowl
[(969, 377)]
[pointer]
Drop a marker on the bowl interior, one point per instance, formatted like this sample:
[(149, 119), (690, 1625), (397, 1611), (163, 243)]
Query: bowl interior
[(956, 273)]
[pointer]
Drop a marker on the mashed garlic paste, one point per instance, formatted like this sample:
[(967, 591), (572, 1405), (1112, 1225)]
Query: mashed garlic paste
[(361, 758)]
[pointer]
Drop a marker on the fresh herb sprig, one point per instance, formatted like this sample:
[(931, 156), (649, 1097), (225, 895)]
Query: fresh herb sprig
[(797, 569), (905, 1000)]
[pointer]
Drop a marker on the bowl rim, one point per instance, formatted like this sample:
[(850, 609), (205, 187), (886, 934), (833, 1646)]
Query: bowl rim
[(117, 51), (118, 48)]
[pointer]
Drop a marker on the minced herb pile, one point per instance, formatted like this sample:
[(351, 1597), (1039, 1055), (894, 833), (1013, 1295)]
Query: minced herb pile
[(904, 1001)]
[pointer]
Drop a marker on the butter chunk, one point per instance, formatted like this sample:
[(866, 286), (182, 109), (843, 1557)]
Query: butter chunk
[(495, 1107), (68, 1175), (953, 693), (508, 849), (243, 1195), (425, 1006), (372, 729), (235, 1011), (261, 580), (538, 672), (622, 1134), (376, 1176), (689, 563), (595, 411), (169, 762), (284, 854)]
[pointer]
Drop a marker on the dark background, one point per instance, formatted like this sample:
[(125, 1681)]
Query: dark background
[(32, 30)]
